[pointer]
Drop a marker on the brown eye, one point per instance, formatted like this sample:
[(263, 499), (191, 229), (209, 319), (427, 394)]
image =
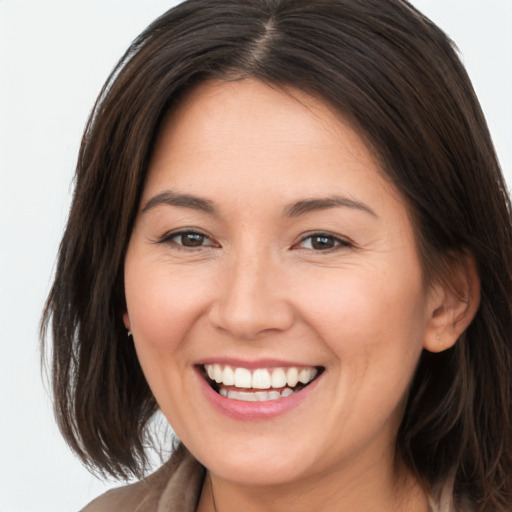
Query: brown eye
[(190, 239), (322, 242)]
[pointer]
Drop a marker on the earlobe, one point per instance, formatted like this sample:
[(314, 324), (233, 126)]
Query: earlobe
[(453, 304), (126, 321)]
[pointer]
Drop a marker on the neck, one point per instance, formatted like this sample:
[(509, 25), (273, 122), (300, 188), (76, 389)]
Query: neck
[(369, 490)]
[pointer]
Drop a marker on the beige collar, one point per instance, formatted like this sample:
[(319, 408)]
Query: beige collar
[(184, 488)]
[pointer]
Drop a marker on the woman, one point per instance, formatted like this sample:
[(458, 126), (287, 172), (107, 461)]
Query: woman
[(291, 235)]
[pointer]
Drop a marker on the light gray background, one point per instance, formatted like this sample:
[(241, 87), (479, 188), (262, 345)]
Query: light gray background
[(54, 57)]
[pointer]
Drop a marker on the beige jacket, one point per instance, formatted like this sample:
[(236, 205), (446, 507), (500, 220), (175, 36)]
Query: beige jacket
[(175, 487)]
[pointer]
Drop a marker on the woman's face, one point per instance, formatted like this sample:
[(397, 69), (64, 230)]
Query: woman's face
[(269, 247)]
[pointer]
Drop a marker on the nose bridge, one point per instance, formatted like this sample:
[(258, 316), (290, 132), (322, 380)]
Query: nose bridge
[(250, 299)]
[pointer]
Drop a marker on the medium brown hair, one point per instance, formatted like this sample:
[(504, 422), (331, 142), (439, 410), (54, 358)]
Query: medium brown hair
[(397, 79)]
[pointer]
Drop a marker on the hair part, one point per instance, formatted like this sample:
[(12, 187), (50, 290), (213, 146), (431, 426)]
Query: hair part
[(396, 78)]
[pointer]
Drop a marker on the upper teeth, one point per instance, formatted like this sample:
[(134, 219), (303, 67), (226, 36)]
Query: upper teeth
[(261, 378)]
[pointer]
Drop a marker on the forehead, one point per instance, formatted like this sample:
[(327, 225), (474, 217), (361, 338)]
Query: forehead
[(250, 124)]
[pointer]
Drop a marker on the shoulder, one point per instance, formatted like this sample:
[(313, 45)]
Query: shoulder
[(130, 498), (125, 498), (176, 483)]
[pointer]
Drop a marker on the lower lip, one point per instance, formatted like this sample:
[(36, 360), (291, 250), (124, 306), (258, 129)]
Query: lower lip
[(254, 411)]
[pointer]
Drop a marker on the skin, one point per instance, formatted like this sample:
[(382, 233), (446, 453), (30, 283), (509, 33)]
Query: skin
[(259, 288)]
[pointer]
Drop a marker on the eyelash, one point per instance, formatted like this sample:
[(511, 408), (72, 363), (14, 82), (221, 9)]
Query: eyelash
[(336, 241)]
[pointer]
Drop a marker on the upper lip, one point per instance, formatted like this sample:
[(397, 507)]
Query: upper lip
[(254, 364)]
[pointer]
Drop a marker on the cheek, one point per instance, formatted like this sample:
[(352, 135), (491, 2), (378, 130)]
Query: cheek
[(161, 303), (378, 315), (163, 308), (373, 325)]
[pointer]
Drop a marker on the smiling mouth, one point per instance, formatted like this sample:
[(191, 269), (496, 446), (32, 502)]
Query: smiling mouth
[(261, 384)]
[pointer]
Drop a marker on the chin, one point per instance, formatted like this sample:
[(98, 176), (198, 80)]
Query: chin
[(261, 461)]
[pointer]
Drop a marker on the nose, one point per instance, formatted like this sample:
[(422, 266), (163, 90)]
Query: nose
[(252, 299)]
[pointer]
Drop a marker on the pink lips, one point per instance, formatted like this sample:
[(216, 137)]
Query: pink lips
[(253, 411)]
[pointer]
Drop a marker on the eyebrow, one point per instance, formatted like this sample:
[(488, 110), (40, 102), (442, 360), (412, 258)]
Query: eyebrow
[(185, 200), (296, 209), (311, 205)]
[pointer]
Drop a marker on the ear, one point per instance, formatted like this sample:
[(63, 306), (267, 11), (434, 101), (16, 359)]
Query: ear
[(452, 304), (126, 321)]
